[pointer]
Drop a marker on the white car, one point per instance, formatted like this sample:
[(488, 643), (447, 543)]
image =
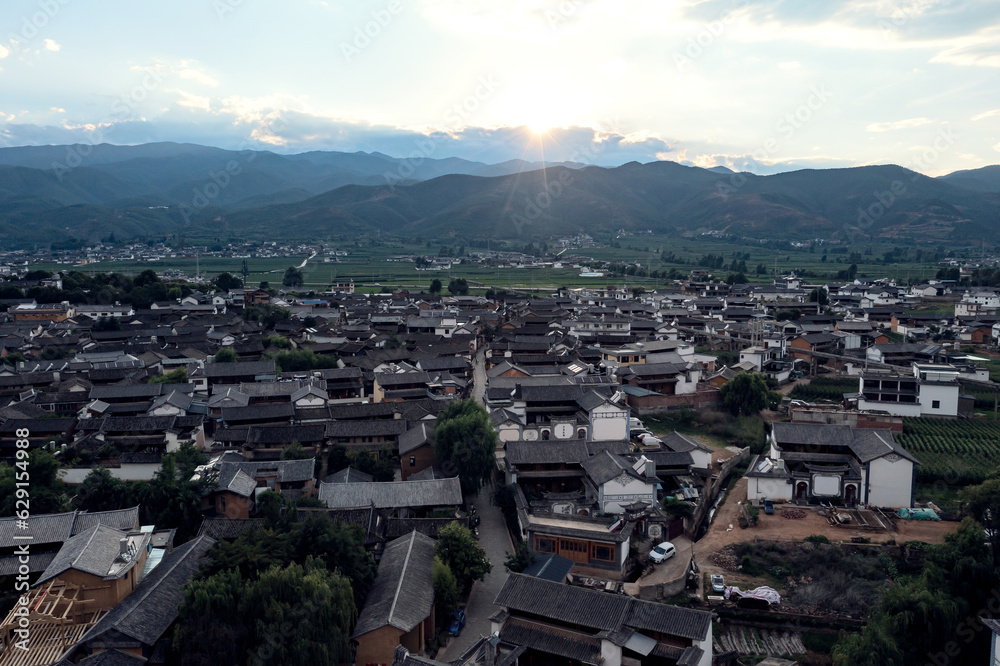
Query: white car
[(662, 552)]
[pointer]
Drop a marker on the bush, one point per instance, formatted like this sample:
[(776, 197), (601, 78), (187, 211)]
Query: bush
[(749, 566), (754, 513), (817, 539)]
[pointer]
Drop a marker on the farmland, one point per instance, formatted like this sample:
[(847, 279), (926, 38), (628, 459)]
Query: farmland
[(960, 452), (825, 388)]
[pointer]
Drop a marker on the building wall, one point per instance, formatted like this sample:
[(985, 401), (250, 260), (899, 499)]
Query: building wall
[(613, 494), (232, 506), (608, 422), (947, 397), (759, 489), (890, 484), (422, 457), (376, 647)]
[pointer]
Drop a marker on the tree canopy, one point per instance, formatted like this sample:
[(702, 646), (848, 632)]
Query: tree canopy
[(746, 394), (293, 277), (462, 553), (465, 443)]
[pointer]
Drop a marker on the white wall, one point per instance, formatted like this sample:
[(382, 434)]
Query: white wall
[(894, 408), (946, 395), (613, 494), (608, 423), (143, 472), (760, 488), (890, 484)]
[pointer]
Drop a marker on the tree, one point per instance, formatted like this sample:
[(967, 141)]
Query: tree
[(458, 287), (677, 508), (446, 592), (178, 376), (293, 277), (465, 443), (226, 355), (295, 451), (47, 489), (294, 614), (983, 504), (520, 559), (102, 492), (435, 287), (746, 394), (462, 553), (819, 296), (228, 282)]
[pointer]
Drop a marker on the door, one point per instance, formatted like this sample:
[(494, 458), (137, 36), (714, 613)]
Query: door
[(801, 490), (850, 493)]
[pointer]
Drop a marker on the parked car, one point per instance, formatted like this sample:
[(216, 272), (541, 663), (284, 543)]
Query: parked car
[(662, 552), (718, 584), (457, 622), (768, 506)]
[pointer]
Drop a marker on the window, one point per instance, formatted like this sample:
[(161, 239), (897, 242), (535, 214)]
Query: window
[(605, 553), (413, 461), (935, 404), (543, 545)]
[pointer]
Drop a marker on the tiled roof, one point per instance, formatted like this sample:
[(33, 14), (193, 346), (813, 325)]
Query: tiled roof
[(402, 595)]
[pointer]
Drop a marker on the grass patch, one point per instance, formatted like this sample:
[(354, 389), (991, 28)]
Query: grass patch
[(717, 427)]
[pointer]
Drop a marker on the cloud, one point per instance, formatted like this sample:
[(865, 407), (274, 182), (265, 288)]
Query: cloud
[(996, 147), (51, 45), (790, 66), (4, 51), (191, 72), (898, 124), (191, 101), (986, 114), (55, 109)]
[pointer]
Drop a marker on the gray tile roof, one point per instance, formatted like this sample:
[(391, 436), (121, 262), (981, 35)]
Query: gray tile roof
[(402, 595), (214, 370), (147, 613), (598, 610), (349, 475), (866, 444), (92, 551), (416, 437), (227, 528), (377, 428), (51, 528), (113, 657), (605, 466), (392, 494), (552, 640), (676, 441), (285, 471)]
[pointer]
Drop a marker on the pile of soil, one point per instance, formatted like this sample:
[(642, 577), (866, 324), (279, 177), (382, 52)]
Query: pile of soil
[(793, 514)]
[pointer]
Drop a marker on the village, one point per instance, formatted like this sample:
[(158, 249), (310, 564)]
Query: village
[(616, 429)]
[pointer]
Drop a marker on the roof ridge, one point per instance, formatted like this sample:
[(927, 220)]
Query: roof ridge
[(93, 532), (402, 574)]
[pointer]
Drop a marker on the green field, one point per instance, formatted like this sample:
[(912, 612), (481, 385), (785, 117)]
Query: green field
[(953, 451), (366, 264), (825, 388)]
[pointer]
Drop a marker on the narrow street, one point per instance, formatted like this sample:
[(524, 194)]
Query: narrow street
[(494, 539), (479, 375)]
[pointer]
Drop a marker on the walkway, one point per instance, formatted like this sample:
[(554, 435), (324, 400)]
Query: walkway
[(494, 539)]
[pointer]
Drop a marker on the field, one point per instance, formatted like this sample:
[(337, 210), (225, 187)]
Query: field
[(825, 388), (955, 452), (366, 263)]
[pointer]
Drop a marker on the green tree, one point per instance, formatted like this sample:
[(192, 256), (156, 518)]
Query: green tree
[(462, 553), (446, 592), (465, 443), (47, 491), (100, 491), (746, 394), (819, 296), (458, 287), (228, 282), (436, 286), (983, 504), (520, 559), (295, 451), (226, 355), (293, 277), (178, 376)]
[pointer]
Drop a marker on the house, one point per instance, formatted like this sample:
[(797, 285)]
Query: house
[(90, 575), (833, 463), (615, 482), (404, 498), (399, 609), (932, 390), (139, 625), (558, 623), (416, 449)]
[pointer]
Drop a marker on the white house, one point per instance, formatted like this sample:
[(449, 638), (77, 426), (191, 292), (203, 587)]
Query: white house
[(614, 482), (932, 390), (833, 463)]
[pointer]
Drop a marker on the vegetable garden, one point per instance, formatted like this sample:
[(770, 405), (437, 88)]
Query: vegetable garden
[(825, 388), (960, 451)]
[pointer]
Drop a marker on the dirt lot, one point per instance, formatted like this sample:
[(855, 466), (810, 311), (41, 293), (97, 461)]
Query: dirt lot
[(777, 528)]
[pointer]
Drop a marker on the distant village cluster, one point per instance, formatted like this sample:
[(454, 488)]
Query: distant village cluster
[(567, 380)]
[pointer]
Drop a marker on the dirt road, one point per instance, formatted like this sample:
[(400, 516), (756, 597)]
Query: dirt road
[(777, 528)]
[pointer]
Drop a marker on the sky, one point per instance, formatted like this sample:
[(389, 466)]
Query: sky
[(757, 85)]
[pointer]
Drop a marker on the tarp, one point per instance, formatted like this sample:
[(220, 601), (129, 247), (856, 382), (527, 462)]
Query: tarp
[(768, 594), (918, 514)]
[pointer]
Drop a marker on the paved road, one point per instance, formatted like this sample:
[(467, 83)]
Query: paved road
[(493, 537), (479, 375)]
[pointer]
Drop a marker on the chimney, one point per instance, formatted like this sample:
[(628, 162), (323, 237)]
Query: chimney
[(123, 546)]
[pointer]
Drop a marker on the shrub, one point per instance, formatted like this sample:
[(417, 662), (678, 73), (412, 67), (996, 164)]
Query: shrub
[(749, 566), (817, 539)]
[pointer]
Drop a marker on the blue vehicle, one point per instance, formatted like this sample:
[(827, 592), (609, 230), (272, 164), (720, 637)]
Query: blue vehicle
[(457, 622)]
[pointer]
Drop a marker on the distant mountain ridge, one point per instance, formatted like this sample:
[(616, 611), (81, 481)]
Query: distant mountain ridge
[(165, 188)]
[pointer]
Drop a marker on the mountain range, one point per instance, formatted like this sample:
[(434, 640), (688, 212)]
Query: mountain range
[(87, 192)]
